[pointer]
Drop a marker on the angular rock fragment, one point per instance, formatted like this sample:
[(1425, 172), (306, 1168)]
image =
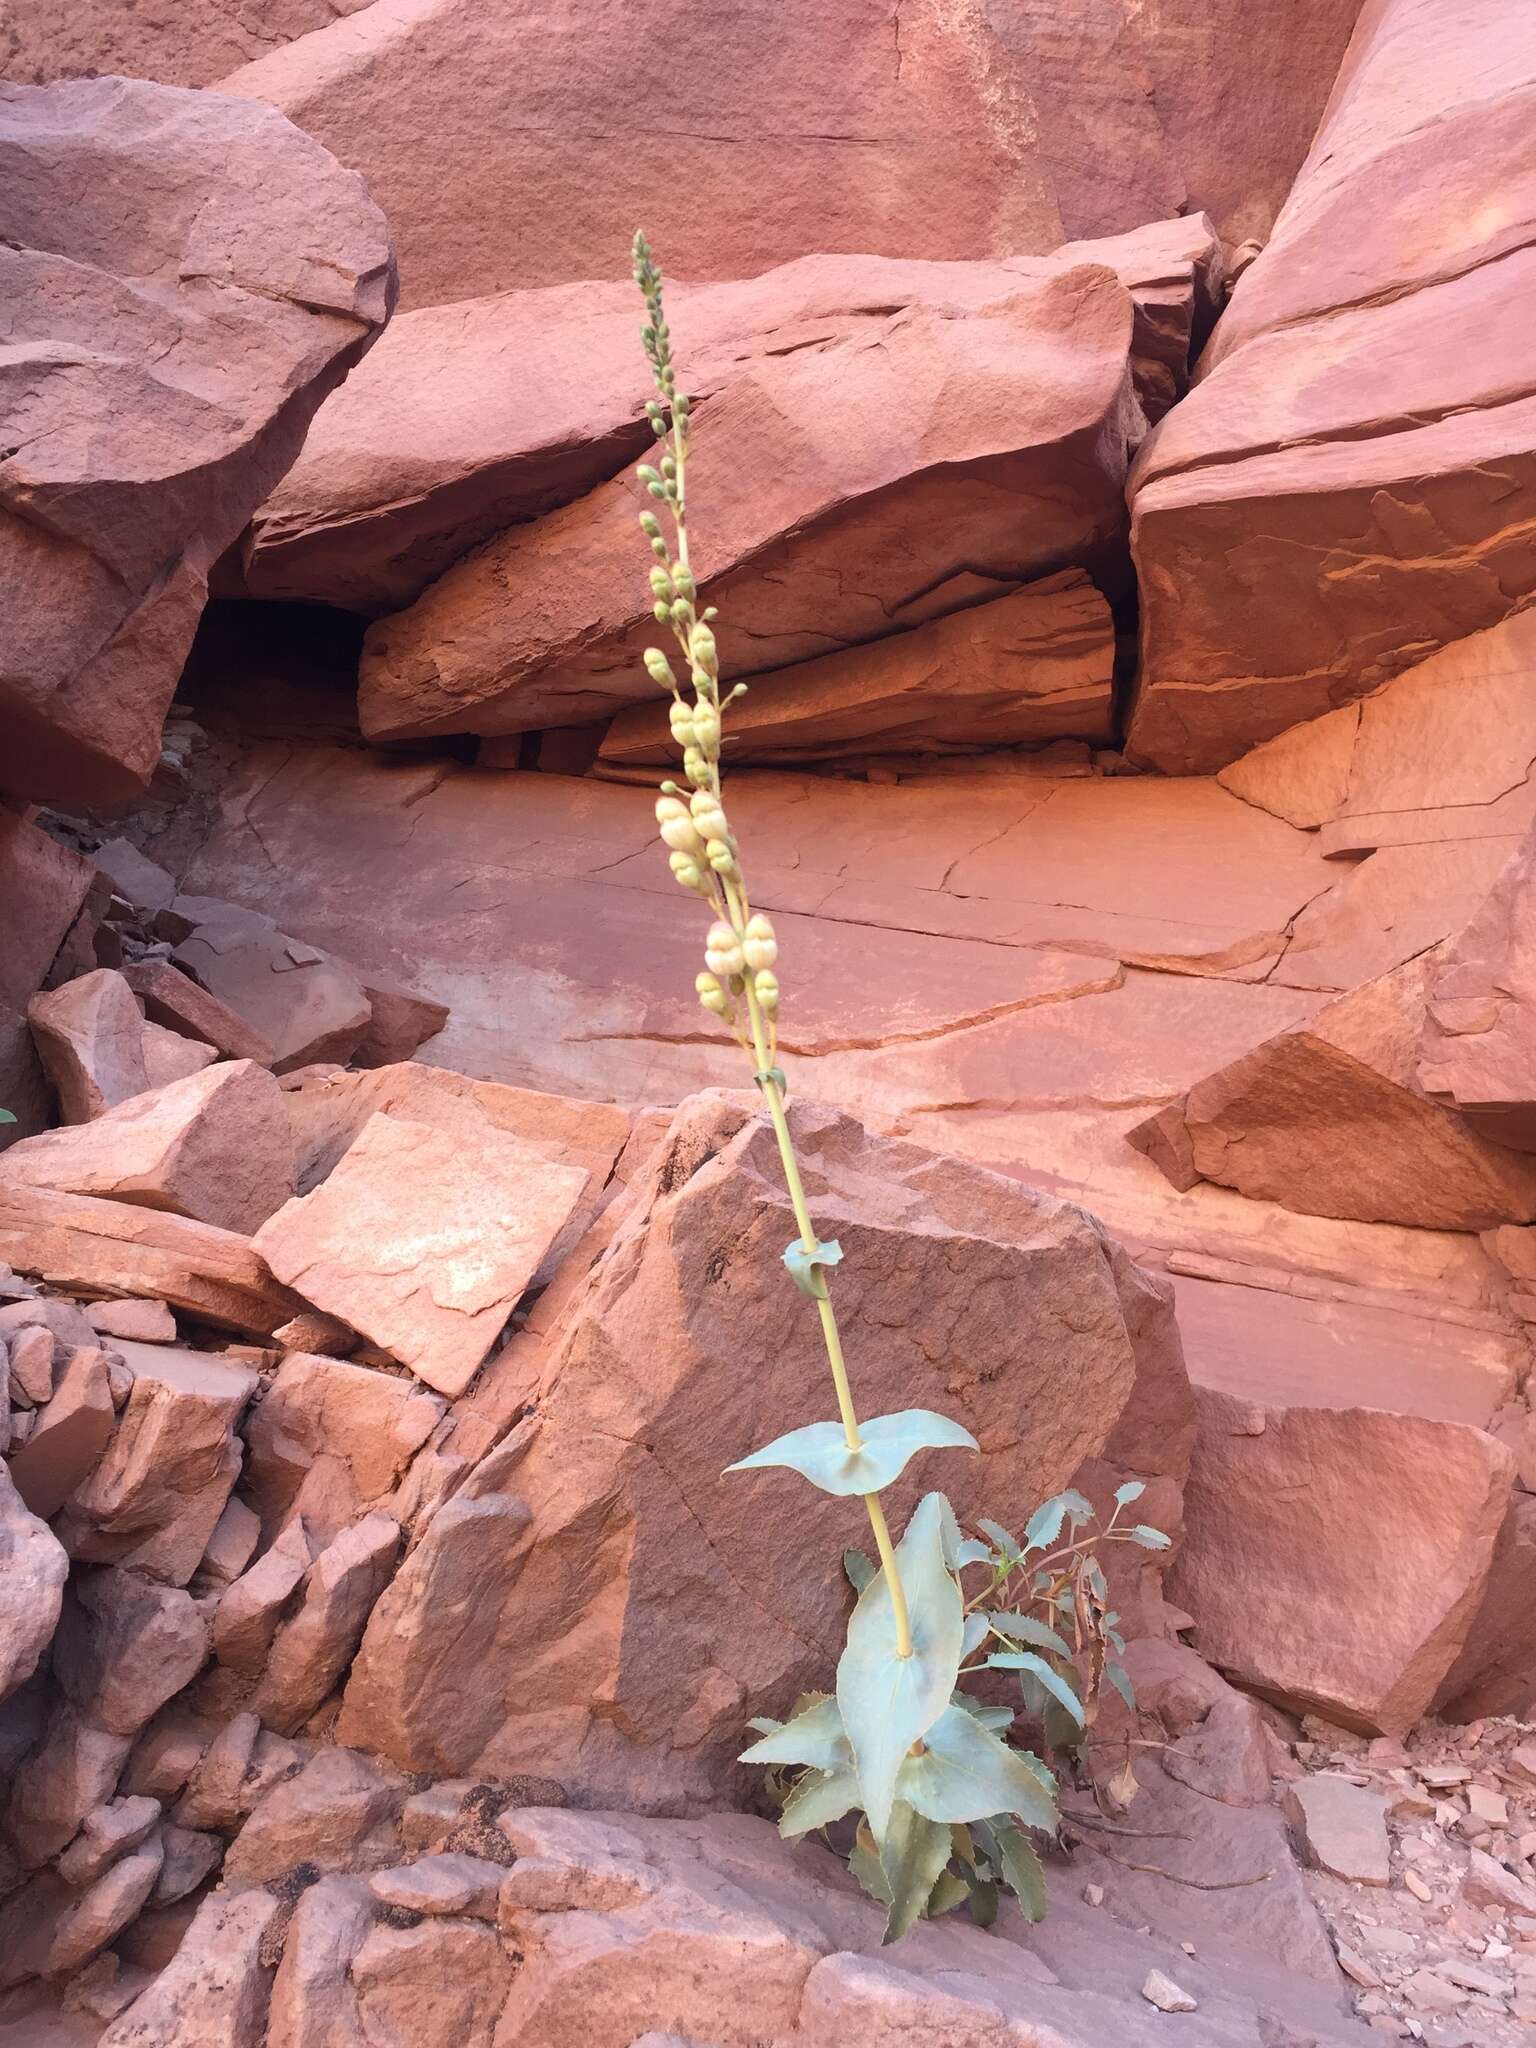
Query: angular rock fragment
[(44, 888), (314, 2003), (169, 1057), (33, 1568), (311, 1650), (214, 1147), (146, 1322), (90, 1037), (116, 1898), (213, 1992), (125, 1647), (1342, 1828), (1021, 671), (70, 1775), (215, 1795), (298, 1000), (173, 342), (1479, 1050), (187, 1859), (397, 1024), (108, 1833), (338, 1813), (315, 1408), (248, 1615), (174, 1000), (424, 1242), (136, 878), (448, 1973), (1036, 413), (102, 1247), (69, 1438)]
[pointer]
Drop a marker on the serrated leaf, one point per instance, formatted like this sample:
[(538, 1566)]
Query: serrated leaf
[(1023, 1628), (912, 1855), (816, 1737), (888, 1702), (950, 1891), (859, 1568), (819, 1452), (1054, 1683), (819, 1798), (1149, 1538), (998, 1719), (983, 1901), (1133, 1489), (975, 1635), (972, 1551), (1023, 1872), (805, 1267), (1120, 1679), (1008, 1545), (965, 1773), (1093, 1573), (864, 1862), (1045, 1524), (763, 1724)]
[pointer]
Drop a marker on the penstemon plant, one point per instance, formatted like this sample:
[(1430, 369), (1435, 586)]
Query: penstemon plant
[(945, 1799)]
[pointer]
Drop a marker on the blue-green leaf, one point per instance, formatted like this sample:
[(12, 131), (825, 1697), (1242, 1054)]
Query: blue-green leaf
[(815, 1737), (972, 1551), (975, 1635), (864, 1862), (7, 1116), (965, 1773), (1054, 1683), (1149, 1538), (1023, 1628), (998, 1719), (1133, 1489), (887, 1701), (764, 1724), (950, 1891), (806, 1267), (859, 1568), (819, 1452), (1046, 1524), (913, 1853), (1023, 1872), (819, 1798), (1120, 1679), (1008, 1545)]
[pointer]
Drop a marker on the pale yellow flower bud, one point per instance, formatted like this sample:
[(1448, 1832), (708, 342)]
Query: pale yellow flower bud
[(695, 767), (708, 817), (759, 944), (680, 717), (720, 857), (766, 983), (706, 727), (701, 647), (712, 995), (687, 870), (660, 668), (677, 827), (722, 950)]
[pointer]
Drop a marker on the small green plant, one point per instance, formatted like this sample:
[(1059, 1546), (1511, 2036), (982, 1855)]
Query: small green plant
[(946, 1800)]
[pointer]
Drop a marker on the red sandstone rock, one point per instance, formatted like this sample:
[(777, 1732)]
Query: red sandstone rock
[(33, 1568), (173, 341), (397, 1024), (1400, 1517), (73, 1771), (106, 1834), (312, 1649), (303, 1004), (214, 1147), (605, 1516), (43, 887), (338, 1813), (977, 140), (100, 1247), (313, 1998), (249, 1613), (213, 1992), (175, 48), (1013, 458), (125, 1647), (452, 1974), (90, 1036), (1479, 1051), (170, 1057), (423, 1241), (174, 1000), (145, 1322), (368, 1423), (1021, 671), (1349, 485), (69, 1437)]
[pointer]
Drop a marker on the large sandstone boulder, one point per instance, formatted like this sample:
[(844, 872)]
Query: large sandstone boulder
[(188, 278), (477, 416), (826, 125), (1479, 1051), (174, 45), (33, 1568), (605, 1522), (825, 528), (43, 888), (1352, 482)]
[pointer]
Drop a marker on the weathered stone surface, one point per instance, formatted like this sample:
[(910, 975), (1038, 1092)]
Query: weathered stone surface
[(174, 1000), (33, 1569), (1479, 1051), (188, 1858), (105, 1835), (299, 1001), (1332, 1120), (125, 1647), (1341, 1828), (314, 1409), (1496, 1671), (230, 1548), (170, 1057), (213, 1992), (73, 1772), (100, 1916), (173, 342), (69, 1437), (30, 1378), (449, 1974), (146, 1322), (605, 1516), (314, 2004), (215, 1795), (1018, 465), (44, 887), (133, 875), (90, 1036), (248, 1615), (452, 1883), (1350, 484), (214, 1147), (337, 1814), (111, 1248), (174, 48), (1021, 671), (311, 1650), (975, 140), (155, 1498), (1402, 1515), (424, 1241), (397, 1024)]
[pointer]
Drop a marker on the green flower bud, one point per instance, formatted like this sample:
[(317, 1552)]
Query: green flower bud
[(701, 649), (687, 871), (647, 474), (661, 613), (660, 668), (682, 578), (721, 858), (659, 549), (706, 727), (759, 944), (680, 718), (682, 611), (712, 995), (650, 525), (695, 767), (669, 466), (766, 985), (657, 490), (722, 950), (661, 583)]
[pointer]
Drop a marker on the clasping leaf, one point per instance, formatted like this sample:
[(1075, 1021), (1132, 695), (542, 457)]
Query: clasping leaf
[(805, 1267), (820, 1452), (965, 1773)]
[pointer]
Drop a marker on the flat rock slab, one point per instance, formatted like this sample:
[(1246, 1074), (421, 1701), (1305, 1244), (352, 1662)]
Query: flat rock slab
[(303, 1004), (424, 1241), (1341, 1828), (180, 1004)]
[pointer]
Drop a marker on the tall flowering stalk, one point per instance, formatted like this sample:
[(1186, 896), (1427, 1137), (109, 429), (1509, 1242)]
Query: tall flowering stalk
[(946, 1799)]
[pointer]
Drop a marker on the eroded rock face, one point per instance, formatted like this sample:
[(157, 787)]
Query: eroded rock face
[(1352, 483), (33, 1568), (1479, 1051), (170, 340), (605, 1520), (44, 887), (1013, 457), (976, 137)]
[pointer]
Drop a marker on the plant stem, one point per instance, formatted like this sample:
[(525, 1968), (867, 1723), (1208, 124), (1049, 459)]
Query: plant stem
[(829, 1329)]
